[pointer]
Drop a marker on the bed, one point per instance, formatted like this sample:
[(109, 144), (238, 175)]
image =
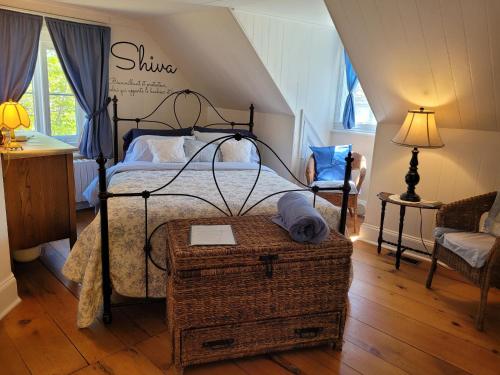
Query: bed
[(124, 247)]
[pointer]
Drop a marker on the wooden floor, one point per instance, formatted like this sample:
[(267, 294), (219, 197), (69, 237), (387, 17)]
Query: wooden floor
[(395, 326)]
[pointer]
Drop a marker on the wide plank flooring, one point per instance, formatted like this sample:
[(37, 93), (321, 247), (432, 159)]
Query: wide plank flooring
[(395, 326)]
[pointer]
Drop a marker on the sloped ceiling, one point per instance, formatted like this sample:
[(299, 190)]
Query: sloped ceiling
[(440, 54), (218, 58)]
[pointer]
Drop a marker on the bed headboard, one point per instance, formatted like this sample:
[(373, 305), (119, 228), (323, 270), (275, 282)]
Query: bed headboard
[(172, 100)]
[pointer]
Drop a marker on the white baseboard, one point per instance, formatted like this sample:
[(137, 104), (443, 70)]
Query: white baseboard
[(8, 295), (369, 233)]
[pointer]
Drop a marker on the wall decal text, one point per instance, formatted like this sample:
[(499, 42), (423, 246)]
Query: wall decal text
[(132, 57), (133, 87)]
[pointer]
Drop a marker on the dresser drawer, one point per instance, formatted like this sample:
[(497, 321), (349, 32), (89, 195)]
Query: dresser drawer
[(237, 340)]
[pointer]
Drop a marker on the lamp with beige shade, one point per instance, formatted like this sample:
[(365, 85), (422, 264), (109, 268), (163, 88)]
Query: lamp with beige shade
[(418, 130)]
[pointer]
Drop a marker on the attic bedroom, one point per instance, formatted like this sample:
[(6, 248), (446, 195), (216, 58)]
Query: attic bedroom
[(250, 187)]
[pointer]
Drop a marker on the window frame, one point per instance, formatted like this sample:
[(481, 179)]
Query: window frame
[(41, 96), (364, 128)]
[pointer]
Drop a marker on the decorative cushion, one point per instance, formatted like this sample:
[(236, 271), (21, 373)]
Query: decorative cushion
[(210, 136), (236, 151), (132, 134), (191, 147), (168, 150), (140, 150), (492, 222), (472, 247), (330, 162), (334, 184)]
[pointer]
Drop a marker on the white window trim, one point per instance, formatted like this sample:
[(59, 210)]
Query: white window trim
[(369, 129), (40, 87)]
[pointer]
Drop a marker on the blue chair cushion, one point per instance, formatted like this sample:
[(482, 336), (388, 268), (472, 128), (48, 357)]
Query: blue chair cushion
[(330, 162)]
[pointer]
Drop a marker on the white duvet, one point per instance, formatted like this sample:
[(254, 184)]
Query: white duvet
[(126, 222)]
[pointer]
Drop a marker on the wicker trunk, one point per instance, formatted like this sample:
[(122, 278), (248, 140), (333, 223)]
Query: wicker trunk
[(265, 294)]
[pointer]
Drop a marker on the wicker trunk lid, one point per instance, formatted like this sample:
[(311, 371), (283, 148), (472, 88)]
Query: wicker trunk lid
[(260, 243)]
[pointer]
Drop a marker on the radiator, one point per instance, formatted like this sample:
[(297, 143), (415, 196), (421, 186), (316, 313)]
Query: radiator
[(85, 172)]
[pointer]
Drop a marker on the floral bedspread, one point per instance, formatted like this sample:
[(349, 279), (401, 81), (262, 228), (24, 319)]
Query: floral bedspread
[(126, 227)]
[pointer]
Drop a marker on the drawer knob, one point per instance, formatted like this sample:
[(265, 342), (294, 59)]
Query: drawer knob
[(218, 344), (308, 333)]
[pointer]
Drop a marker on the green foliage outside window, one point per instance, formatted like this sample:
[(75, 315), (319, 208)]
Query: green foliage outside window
[(61, 99), (62, 102)]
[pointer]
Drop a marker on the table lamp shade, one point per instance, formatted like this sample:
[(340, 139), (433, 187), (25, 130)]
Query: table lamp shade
[(419, 130), (13, 115)]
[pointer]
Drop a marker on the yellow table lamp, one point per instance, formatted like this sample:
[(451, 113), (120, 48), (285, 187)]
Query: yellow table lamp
[(12, 116)]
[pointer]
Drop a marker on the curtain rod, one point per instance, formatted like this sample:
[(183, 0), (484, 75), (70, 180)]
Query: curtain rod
[(29, 11)]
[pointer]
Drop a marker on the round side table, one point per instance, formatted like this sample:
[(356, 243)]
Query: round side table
[(391, 198)]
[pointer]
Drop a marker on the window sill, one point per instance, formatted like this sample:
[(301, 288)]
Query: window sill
[(354, 131)]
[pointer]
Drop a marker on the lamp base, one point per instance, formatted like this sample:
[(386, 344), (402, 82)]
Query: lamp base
[(410, 197), (412, 178)]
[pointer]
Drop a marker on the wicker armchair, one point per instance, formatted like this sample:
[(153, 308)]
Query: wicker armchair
[(465, 215), (359, 163)]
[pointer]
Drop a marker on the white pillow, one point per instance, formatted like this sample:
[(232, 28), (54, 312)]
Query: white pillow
[(492, 222), (209, 137), (236, 151), (192, 146), (139, 149), (167, 150)]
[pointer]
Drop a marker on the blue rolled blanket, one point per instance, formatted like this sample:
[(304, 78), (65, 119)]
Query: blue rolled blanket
[(301, 219)]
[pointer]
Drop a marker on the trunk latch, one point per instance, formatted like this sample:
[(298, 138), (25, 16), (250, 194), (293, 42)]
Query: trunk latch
[(268, 261)]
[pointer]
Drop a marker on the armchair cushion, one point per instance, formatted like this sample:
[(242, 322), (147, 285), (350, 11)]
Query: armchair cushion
[(472, 247), (330, 162), (492, 223), (335, 184)]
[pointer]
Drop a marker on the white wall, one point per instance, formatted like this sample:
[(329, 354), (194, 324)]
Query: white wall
[(273, 129), (8, 286), (467, 165), (304, 61), (146, 88)]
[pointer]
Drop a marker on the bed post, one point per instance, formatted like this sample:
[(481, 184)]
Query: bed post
[(103, 210), (346, 188), (115, 129), (250, 123)]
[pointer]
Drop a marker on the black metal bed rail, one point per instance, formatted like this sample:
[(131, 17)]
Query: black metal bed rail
[(105, 195)]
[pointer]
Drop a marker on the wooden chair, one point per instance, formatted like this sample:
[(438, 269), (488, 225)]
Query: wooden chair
[(335, 197), (465, 215)]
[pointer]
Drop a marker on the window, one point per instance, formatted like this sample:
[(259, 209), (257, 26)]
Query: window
[(365, 119), (49, 99)]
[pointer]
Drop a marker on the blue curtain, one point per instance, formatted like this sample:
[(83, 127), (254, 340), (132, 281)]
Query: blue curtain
[(84, 54), (19, 36), (348, 118)]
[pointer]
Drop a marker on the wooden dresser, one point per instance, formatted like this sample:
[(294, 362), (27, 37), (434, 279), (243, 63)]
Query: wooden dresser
[(39, 191)]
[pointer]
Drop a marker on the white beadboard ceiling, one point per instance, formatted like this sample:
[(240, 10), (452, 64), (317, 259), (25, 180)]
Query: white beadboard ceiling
[(440, 54), (311, 11)]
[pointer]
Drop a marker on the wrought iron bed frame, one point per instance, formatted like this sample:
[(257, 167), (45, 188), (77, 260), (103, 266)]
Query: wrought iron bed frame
[(105, 195)]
